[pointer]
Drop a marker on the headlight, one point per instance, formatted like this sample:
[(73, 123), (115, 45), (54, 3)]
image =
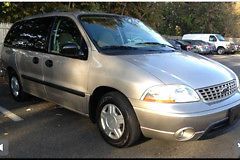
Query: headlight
[(237, 81), (170, 94)]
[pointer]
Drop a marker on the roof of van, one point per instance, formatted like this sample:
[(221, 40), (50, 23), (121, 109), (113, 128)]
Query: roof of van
[(75, 13)]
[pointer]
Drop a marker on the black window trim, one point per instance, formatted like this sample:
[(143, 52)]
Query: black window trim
[(53, 85), (85, 57), (33, 50)]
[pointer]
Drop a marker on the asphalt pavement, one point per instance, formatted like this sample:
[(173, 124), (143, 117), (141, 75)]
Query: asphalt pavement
[(40, 129)]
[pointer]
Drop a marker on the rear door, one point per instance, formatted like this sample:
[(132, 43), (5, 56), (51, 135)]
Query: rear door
[(31, 44), (66, 77)]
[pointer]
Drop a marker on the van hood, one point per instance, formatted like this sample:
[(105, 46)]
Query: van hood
[(225, 42), (182, 68)]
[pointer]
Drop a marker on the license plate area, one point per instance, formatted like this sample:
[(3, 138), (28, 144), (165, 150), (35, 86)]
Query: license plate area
[(234, 114)]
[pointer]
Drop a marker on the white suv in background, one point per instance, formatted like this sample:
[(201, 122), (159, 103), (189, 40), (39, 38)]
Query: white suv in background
[(218, 40)]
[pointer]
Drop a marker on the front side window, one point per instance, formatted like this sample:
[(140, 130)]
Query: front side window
[(212, 38), (122, 33), (30, 34), (66, 31)]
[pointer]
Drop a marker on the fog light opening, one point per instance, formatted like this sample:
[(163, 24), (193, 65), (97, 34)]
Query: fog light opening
[(185, 134)]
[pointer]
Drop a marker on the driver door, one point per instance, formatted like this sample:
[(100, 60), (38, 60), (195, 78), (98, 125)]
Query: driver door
[(66, 77)]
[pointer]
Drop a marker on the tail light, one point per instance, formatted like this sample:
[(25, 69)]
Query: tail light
[(189, 47)]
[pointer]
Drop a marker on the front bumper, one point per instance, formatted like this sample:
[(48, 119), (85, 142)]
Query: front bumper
[(160, 123), (230, 49)]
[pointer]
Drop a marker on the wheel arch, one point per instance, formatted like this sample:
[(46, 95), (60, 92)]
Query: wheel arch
[(95, 98), (220, 47), (10, 69)]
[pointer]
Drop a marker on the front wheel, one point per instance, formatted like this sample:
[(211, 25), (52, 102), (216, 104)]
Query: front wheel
[(117, 121), (220, 50)]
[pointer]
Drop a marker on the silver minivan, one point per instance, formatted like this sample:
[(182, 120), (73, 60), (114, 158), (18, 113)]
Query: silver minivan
[(122, 74)]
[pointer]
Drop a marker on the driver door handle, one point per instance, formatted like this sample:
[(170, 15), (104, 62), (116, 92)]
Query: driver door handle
[(35, 60)]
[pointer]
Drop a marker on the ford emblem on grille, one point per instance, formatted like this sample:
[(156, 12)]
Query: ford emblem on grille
[(225, 90)]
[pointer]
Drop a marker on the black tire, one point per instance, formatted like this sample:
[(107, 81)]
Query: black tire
[(132, 132), (21, 96), (220, 51)]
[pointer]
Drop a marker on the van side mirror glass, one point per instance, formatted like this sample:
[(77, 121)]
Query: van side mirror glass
[(71, 50)]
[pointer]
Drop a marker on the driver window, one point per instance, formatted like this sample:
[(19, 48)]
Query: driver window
[(212, 39), (65, 31)]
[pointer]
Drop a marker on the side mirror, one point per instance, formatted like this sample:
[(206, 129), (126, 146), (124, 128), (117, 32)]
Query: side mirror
[(71, 50), (178, 47)]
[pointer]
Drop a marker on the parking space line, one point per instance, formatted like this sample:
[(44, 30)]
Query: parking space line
[(10, 115)]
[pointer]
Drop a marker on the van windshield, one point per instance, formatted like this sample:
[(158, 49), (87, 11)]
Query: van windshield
[(112, 33), (220, 37)]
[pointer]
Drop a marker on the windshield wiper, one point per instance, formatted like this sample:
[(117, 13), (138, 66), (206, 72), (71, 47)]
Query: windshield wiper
[(119, 47), (155, 43)]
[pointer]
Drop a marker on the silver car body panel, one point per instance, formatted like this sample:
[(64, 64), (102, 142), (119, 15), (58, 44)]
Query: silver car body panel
[(24, 61), (177, 68), (69, 73)]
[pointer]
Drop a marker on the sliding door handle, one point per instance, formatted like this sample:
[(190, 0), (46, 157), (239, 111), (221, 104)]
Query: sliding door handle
[(49, 63)]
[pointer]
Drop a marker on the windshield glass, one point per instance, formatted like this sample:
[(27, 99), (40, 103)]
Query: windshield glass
[(220, 37), (122, 33)]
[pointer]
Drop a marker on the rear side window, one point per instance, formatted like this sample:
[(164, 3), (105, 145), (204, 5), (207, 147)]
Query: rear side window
[(12, 34), (30, 34)]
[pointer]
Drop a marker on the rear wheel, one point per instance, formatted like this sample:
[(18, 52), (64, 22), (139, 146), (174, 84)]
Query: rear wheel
[(117, 121), (15, 87)]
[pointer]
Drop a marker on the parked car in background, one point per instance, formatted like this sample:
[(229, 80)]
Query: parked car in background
[(218, 40), (201, 47), (237, 47), (175, 44), (212, 47), (181, 45)]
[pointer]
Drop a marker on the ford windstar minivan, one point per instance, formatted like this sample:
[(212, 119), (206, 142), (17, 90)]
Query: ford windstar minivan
[(122, 74)]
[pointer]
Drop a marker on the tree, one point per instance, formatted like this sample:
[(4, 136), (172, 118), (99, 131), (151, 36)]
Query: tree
[(167, 18)]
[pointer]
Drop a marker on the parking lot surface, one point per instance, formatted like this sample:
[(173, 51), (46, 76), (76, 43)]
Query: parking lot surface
[(37, 128)]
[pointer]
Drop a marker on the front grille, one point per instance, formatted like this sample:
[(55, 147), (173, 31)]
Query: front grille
[(217, 92)]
